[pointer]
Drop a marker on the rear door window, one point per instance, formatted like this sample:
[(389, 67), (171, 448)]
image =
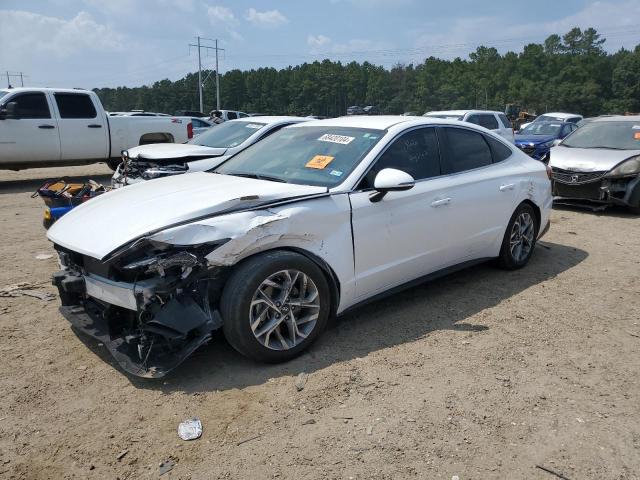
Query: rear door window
[(488, 120), (31, 105), (75, 105), (232, 115), (463, 150)]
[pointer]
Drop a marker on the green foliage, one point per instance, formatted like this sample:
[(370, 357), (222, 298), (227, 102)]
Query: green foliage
[(569, 73)]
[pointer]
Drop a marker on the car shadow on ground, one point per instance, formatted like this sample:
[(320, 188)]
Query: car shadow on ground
[(30, 185), (616, 211), (443, 304)]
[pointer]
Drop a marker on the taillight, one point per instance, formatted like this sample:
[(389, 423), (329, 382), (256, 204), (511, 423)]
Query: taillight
[(190, 130), (549, 172)]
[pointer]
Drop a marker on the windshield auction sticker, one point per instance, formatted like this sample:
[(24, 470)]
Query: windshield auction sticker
[(319, 162), (341, 139)]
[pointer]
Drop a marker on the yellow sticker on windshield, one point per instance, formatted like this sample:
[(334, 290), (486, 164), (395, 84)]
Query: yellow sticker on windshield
[(636, 135), (319, 162)]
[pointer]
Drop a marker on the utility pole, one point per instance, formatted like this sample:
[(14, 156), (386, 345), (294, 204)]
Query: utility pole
[(217, 80), (200, 81)]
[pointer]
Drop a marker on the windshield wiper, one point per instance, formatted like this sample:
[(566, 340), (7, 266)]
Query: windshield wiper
[(608, 148), (258, 177)]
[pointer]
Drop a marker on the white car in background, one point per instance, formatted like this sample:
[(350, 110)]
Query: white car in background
[(203, 152), (555, 117), (495, 121), (305, 224)]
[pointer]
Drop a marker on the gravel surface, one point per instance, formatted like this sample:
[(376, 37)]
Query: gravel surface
[(482, 374)]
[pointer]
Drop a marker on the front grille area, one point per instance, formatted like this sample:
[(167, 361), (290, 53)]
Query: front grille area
[(575, 178), (527, 149), (588, 191)]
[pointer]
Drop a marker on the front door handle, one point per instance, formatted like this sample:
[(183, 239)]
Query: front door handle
[(94, 125), (504, 188), (441, 202), (46, 126)]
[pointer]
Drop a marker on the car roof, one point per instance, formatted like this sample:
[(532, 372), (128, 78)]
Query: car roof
[(271, 119), (561, 114), (618, 118), (382, 122), (459, 112), (46, 89)]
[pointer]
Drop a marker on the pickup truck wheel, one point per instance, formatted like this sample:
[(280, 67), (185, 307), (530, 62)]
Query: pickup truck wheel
[(113, 163), (274, 306)]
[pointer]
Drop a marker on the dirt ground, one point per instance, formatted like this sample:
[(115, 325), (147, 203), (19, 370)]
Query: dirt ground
[(483, 374)]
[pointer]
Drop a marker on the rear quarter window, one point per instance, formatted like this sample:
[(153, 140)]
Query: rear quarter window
[(505, 121), (499, 150)]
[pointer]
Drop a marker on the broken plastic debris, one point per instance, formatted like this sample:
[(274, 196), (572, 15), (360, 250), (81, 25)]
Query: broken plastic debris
[(43, 256), (301, 381), (190, 429), (26, 289), (167, 466)]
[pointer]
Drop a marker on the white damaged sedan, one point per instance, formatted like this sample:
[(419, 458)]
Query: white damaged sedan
[(315, 219)]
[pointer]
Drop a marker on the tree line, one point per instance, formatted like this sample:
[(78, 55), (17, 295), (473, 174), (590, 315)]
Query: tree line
[(570, 73)]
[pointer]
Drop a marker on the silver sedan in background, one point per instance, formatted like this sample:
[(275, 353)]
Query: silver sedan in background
[(599, 164)]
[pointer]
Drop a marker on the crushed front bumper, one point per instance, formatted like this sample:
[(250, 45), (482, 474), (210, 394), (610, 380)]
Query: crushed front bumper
[(593, 189), (146, 342)]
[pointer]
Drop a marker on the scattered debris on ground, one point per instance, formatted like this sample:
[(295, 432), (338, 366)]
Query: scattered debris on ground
[(190, 429)]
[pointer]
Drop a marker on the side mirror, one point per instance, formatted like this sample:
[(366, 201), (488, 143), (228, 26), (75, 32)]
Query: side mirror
[(557, 142), (8, 111), (390, 180)]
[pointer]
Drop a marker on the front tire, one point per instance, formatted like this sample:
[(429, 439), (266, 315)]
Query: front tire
[(275, 305), (113, 163), (519, 239)]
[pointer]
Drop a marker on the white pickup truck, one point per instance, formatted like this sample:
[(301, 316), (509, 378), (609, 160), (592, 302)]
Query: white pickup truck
[(45, 127)]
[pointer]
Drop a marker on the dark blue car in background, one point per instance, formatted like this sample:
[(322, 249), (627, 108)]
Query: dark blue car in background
[(537, 138)]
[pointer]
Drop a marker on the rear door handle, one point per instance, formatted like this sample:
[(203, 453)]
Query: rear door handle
[(46, 126), (441, 202), (94, 125), (504, 188)]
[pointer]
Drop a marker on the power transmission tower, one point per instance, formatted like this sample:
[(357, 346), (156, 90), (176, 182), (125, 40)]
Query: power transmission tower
[(199, 46), (15, 74)]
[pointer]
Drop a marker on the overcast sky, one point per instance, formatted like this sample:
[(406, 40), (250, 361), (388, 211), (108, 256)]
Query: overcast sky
[(95, 43)]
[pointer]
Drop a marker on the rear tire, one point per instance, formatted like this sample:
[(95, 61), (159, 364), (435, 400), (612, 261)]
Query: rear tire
[(275, 305), (519, 239)]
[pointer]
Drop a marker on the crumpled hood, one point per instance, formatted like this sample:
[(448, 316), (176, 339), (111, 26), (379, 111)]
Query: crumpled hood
[(588, 159), (533, 139), (170, 151), (101, 225)]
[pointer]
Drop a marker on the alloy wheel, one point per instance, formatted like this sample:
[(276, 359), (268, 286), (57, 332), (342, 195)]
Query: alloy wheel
[(521, 239), (284, 309)]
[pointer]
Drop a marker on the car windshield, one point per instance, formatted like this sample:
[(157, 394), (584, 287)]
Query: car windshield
[(616, 135), (306, 155), (444, 116), (3, 93), (227, 135), (542, 128)]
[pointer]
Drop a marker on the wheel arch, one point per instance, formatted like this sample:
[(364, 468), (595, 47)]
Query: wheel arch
[(536, 210), (327, 270)]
